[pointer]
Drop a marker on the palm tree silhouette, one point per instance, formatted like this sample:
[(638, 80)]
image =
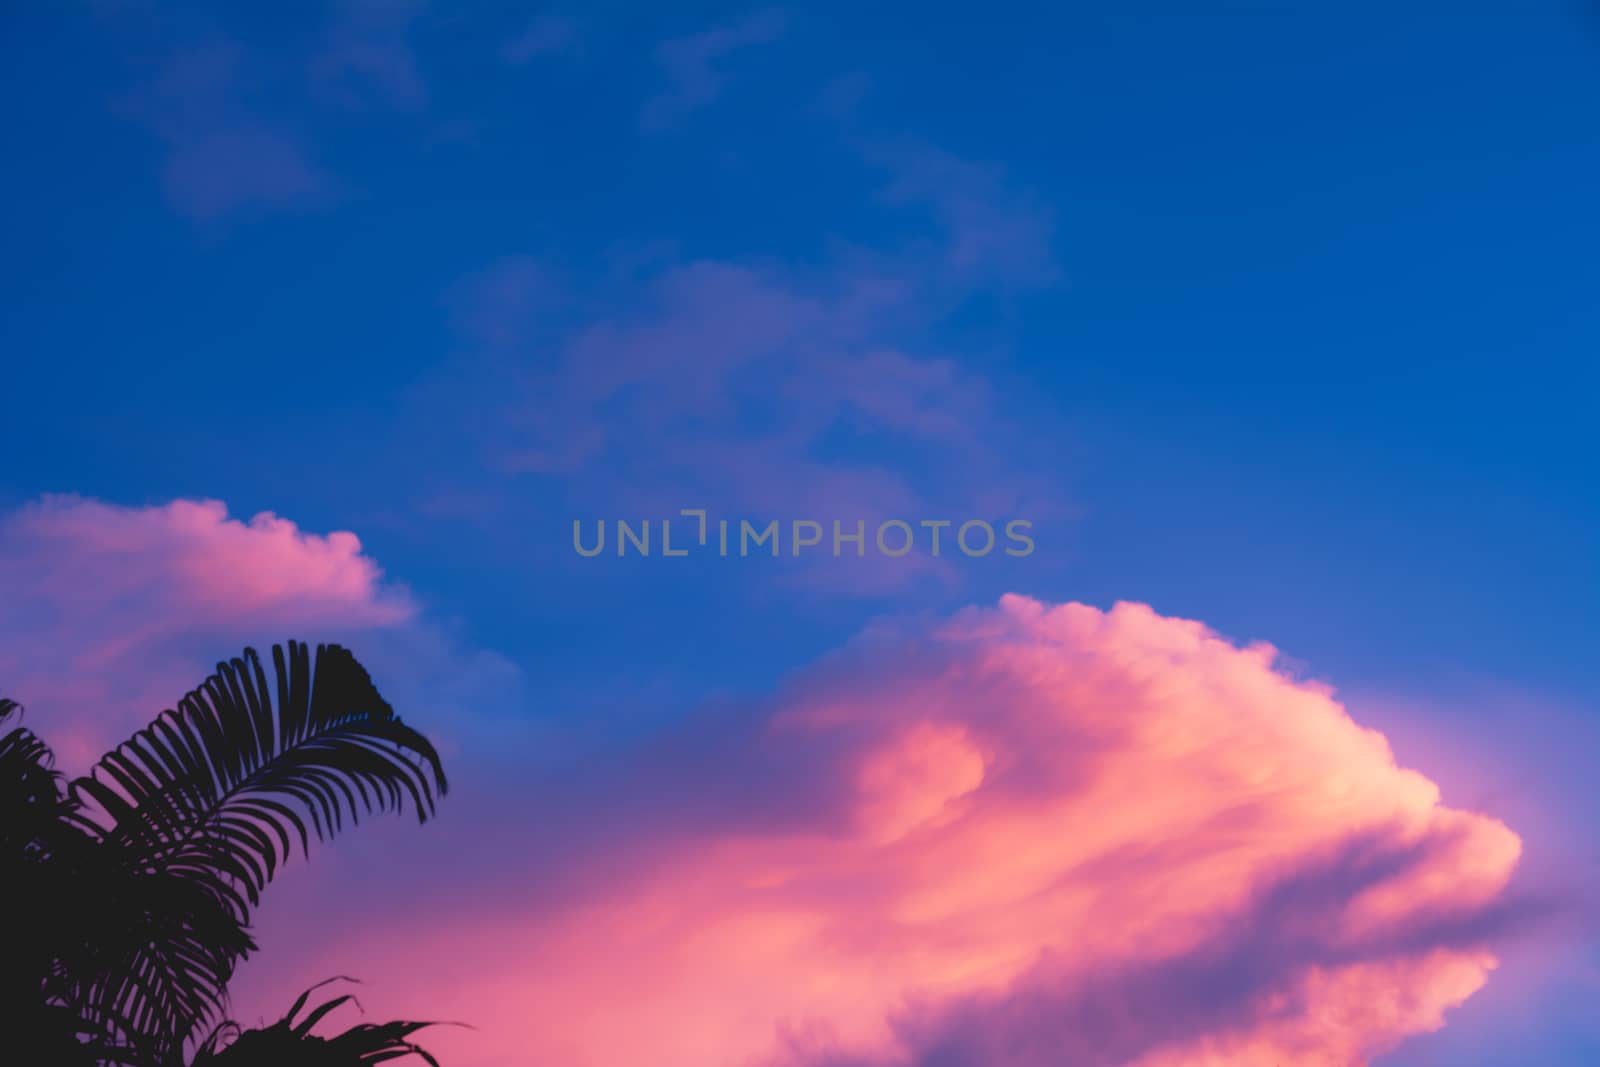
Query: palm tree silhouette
[(129, 891)]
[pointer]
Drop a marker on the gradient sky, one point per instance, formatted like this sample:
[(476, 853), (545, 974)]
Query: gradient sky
[(327, 322)]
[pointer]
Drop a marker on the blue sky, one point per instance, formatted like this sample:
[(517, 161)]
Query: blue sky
[(1282, 321)]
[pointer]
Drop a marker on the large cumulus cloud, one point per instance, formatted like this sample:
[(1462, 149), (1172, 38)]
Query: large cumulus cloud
[(1025, 836), (1022, 836)]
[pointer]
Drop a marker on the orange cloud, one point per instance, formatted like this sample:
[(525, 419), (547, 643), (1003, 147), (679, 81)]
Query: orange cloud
[(1020, 837)]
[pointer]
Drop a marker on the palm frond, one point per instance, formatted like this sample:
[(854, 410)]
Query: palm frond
[(290, 1040), (151, 958), (195, 813), (47, 885), (220, 788), (31, 797)]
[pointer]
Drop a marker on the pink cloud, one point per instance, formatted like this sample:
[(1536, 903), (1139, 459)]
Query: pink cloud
[(1524, 755), (1017, 837), (112, 613)]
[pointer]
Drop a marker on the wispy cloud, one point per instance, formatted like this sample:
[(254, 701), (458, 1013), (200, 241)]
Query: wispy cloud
[(544, 35), (991, 230), (367, 55), (692, 64), (796, 391), (221, 157)]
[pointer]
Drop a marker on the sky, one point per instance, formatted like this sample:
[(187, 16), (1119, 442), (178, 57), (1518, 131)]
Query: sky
[(1274, 324)]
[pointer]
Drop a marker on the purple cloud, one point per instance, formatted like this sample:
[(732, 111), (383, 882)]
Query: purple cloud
[(221, 158), (762, 390)]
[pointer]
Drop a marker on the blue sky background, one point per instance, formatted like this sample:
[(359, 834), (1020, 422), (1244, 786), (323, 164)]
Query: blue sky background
[(1290, 323)]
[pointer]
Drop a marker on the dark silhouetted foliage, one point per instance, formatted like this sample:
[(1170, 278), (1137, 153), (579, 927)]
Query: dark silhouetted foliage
[(290, 1041), (128, 892)]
